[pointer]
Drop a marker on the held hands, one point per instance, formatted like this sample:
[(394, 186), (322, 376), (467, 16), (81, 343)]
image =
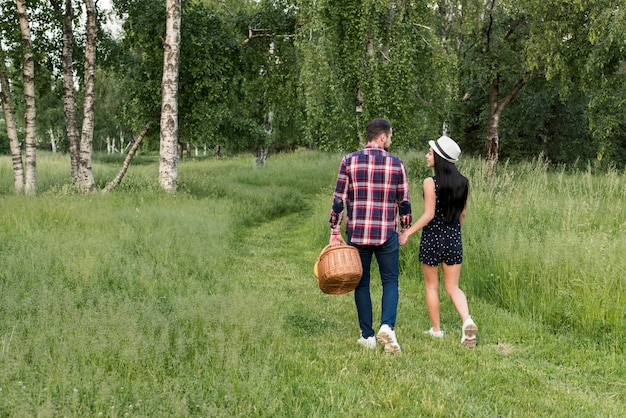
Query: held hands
[(403, 237)]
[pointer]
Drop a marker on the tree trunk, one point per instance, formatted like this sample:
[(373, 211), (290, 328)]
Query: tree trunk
[(168, 154), (129, 157), (85, 175), (30, 179), (492, 130), (14, 142), (69, 104), (53, 141), (261, 156), (495, 111)]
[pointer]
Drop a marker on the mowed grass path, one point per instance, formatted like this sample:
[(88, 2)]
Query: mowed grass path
[(204, 304)]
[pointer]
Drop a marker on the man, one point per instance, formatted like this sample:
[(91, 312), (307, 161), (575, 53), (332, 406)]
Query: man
[(373, 190)]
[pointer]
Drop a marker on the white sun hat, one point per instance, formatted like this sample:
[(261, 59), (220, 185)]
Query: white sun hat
[(446, 148)]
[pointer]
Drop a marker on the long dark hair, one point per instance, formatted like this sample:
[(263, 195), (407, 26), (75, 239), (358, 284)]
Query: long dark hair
[(452, 189)]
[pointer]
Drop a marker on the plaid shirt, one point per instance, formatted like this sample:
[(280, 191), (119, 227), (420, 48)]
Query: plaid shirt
[(374, 185)]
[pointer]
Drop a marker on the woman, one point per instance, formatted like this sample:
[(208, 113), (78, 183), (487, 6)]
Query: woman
[(445, 203)]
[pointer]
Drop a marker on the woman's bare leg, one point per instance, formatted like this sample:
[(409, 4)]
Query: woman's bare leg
[(451, 275), (431, 284)]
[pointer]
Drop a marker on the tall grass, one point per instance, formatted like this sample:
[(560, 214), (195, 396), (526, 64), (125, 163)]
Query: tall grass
[(203, 303), (549, 245)]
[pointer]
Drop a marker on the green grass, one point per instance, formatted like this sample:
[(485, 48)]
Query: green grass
[(203, 303)]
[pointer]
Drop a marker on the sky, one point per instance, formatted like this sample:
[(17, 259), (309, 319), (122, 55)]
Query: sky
[(114, 25)]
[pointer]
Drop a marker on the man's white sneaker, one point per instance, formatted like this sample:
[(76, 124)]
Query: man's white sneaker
[(369, 343), (387, 337), (435, 334), (470, 330)]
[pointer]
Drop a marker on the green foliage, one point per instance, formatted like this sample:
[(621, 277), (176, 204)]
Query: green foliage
[(540, 122), (208, 70), (311, 64), (571, 53), (4, 139), (371, 54)]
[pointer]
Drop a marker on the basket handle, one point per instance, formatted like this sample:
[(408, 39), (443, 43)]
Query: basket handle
[(328, 247)]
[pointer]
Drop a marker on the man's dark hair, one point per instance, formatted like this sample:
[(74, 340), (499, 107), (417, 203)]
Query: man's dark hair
[(376, 127)]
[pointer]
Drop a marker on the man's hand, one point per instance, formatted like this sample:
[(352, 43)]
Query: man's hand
[(403, 238), (336, 240)]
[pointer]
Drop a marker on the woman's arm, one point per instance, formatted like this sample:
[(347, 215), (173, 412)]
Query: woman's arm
[(462, 216), (430, 200)]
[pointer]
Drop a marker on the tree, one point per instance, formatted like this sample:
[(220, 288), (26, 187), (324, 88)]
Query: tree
[(168, 155), (363, 59), (66, 17), (269, 75), (504, 45), (14, 143), (21, 53), (491, 40), (80, 144), (129, 157), (30, 180), (603, 67), (85, 179)]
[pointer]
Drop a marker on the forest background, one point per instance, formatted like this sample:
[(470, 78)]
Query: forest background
[(506, 79)]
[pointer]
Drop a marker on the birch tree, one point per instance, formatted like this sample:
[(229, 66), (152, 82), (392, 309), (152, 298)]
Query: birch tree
[(9, 117), (80, 144), (85, 179), (66, 16), (361, 59), (30, 179), (129, 157), (168, 154)]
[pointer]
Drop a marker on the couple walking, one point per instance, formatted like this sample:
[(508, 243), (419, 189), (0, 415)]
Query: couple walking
[(372, 191)]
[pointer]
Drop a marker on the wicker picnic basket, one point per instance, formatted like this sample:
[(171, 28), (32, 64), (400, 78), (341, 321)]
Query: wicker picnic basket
[(338, 269)]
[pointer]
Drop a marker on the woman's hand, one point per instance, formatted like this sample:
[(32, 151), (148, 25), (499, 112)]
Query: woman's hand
[(403, 238)]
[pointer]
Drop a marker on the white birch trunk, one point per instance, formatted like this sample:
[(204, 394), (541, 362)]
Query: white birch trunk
[(53, 141), (168, 170), (131, 153), (9, 118), (30, 180), (85, 174), (69, 103)]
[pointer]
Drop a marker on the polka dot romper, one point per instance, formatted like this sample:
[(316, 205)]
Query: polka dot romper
[(441, 241)]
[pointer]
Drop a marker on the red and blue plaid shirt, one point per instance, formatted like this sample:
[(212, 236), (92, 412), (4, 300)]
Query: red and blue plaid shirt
[(374, 185)]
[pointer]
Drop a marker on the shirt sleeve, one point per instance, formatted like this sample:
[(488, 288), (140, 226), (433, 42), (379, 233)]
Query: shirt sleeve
[(339, 197), (404, 201)]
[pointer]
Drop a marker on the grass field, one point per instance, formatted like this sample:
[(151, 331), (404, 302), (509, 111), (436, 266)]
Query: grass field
[(139, 303)]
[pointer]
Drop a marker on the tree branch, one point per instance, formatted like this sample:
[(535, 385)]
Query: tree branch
[(511, 94)]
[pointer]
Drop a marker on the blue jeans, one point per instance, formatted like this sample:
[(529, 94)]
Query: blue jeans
[(388, 258)]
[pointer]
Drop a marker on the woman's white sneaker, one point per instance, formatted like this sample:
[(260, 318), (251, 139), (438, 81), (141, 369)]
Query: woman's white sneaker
[(435, 334)]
